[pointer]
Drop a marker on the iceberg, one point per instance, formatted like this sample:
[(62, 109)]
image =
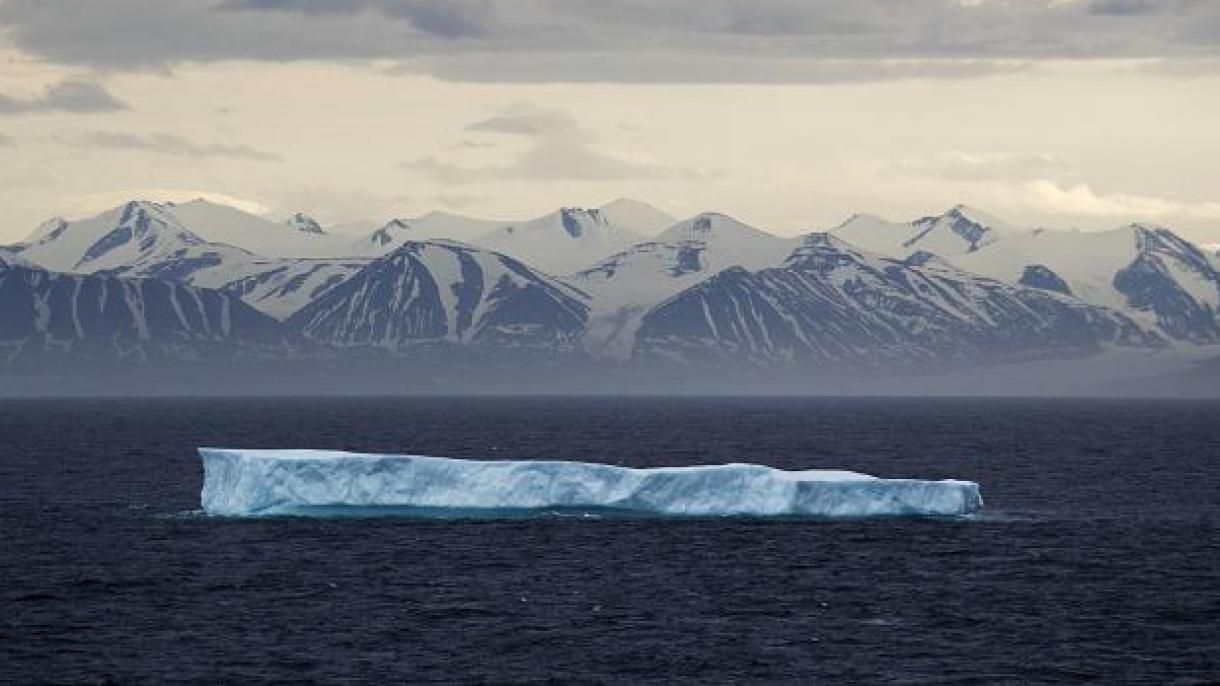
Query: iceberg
[(256, 483)]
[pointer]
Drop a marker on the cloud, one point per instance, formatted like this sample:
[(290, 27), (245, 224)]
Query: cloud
[(651, 67), (449, 19), (330, 199), (457, 201), (787, 41), (1130, 8), (28, 178), (558, 148), (957, 165), (1201, 68), (88, 204), (1025, 181), (69, 95), (527, 120), (1081, 200), (163, 144)]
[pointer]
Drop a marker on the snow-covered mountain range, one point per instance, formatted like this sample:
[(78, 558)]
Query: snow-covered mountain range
[(831, 303), (562, 241), (50, 316), (617, 284), (958, 231), (627, 284), (446, 292), (1146, 271)]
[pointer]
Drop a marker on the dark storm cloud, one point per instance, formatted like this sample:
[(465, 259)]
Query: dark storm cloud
[(448, 19), (669, 68), (581, 40), (69, 95), (163, 144), (1131, 7)]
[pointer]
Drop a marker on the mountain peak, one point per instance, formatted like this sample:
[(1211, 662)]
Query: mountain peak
[(626, 202), (304, 223), (138, 210), (573, 219), (637, 216), (976, 216), (1147, 227), (388, 231), (821, 249), (705, 223), (868, 223), (440, 215), (823, 239)]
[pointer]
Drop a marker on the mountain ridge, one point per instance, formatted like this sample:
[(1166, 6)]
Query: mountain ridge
[(957, 288)]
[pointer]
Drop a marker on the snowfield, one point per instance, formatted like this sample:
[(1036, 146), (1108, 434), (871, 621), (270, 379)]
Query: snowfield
[(253, 483)]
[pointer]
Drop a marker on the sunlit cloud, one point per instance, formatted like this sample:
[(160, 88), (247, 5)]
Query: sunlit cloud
[(90, 203), (1081, 200)]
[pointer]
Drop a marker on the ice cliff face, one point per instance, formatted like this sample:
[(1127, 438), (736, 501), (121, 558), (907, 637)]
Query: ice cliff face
[(252, 483)]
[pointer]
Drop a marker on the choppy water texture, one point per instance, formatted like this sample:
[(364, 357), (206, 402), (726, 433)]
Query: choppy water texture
[(1098, 560)]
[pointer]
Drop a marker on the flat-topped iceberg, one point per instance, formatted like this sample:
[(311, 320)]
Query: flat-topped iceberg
[(252, 483)]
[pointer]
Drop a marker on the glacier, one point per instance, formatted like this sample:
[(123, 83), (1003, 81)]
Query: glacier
[(256, 483)]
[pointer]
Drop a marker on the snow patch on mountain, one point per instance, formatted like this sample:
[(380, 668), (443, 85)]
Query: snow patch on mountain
[(393, 234), (281, 287), (385, 239), (303, 223), (446, 292), (136, 231), (637, 217), (625, 285), (223, 224), (1144, 270), (959, 230), (47, 314), (562, 241), (831, 303)]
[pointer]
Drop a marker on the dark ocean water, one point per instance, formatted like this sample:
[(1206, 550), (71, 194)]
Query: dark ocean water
[(1098, 560)]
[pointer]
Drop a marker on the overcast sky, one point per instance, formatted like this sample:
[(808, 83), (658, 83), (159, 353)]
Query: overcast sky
[(790, 114)]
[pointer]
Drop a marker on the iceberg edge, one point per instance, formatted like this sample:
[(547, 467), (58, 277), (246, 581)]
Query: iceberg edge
[(323, 483)]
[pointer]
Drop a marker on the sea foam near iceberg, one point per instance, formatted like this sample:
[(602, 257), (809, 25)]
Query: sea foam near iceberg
[(254, 483)]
